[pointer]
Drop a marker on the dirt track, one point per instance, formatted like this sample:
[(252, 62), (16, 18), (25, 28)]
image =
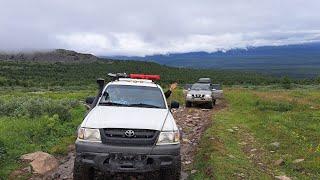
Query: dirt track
[(192, 122)]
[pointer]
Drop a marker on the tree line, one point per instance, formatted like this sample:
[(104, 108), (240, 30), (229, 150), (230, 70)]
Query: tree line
[(42, 74)]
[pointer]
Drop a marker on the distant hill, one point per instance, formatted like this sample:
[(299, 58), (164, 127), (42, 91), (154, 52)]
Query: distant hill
[(299, 61), (59, 55)]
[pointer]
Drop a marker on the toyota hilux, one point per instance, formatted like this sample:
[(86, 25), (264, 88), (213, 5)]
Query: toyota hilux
[(129, 129)]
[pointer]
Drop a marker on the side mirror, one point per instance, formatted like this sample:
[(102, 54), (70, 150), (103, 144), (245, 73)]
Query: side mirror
[(174, 105), (89, 100)]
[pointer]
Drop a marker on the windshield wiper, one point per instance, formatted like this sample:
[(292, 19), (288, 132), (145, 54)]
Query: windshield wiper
[(112, 104), (144, 105)]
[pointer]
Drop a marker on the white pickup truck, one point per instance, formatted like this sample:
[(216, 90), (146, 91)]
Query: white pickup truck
[(130, 129)]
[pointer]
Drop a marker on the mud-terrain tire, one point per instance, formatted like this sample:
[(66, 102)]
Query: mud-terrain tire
[(81, 172), (209, 105), (154, 175), (172, 173), (188, 104)]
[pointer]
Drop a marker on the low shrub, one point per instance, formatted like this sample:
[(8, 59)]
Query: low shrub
[(273, 106), (35, 107), (286, 82), (2, 151)]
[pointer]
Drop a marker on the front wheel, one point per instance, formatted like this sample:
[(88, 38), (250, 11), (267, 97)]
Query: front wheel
[(172, 173), (188, 104), (210, 105), (80, 172)]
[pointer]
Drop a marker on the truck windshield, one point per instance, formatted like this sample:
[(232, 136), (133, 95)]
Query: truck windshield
[(133, 96), (199, 86)]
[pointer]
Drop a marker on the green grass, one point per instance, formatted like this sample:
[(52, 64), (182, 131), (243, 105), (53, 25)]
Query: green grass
[(21, 133), (290, 117)]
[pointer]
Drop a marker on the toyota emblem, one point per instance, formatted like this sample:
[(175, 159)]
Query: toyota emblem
[(129, 133)]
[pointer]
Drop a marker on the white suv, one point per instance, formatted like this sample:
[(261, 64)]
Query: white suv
[(130, 128)]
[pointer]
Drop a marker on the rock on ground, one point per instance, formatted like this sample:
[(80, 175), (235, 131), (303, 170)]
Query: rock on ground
[(279, 162), (275, 145), (283, 177), (41, 162), (297, 161)]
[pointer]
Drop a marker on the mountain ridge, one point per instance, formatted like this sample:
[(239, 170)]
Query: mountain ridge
[(57, 55), (300, 60)]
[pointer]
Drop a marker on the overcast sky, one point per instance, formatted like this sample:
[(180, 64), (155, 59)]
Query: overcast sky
[(143, 27)]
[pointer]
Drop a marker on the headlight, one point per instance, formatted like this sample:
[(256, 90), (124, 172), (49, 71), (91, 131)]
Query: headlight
[(189, 95), (87, 134), (170, 137), (207, 96)]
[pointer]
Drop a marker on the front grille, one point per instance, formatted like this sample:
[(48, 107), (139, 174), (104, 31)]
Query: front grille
[(198, 95), (141, 137)]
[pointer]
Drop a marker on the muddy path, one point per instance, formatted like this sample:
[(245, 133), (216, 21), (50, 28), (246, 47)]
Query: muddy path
[(191, 121)]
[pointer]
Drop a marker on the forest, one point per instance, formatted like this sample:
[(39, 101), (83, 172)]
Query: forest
[(81, 75)]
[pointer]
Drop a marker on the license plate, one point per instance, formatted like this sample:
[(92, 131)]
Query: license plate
[(128, 157)]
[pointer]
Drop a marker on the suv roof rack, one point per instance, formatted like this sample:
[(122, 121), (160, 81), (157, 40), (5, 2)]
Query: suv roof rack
[(116, 76)]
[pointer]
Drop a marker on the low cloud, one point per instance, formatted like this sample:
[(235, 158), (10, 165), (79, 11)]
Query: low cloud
[(132, 44), (145, 27)]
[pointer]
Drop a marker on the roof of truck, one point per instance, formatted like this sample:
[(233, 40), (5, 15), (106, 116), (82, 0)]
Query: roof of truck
[(204, 80), (134, 82)]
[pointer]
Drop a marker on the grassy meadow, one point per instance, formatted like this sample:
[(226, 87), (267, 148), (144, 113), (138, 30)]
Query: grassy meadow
[(237, 145), (40, 109), (262, 133), (33, 121)]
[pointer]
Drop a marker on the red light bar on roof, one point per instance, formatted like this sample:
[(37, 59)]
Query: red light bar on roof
[(145, 76)]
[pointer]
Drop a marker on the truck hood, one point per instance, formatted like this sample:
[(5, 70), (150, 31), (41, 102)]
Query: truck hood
[(125, 117)]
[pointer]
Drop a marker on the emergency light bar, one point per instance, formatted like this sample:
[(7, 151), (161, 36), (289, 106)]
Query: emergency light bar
[(134, 76), (145, 76)]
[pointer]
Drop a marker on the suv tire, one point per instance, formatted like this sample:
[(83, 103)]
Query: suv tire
[(214, 102), (210, 105), (172, 173), (188, 104), (80, 172)]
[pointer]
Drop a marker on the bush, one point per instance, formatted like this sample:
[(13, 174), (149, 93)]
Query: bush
[(36, 107), (273, 106), (286, 82), (2, 151), (59, 109)]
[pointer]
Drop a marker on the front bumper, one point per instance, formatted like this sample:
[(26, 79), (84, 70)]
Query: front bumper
[(198, 100), (135, 159)]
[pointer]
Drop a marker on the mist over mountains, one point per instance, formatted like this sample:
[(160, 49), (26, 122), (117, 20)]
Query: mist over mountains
[(300, 61), (296, 61)]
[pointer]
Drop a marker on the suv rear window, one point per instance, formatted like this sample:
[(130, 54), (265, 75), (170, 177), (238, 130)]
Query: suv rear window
[(133, 96)]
